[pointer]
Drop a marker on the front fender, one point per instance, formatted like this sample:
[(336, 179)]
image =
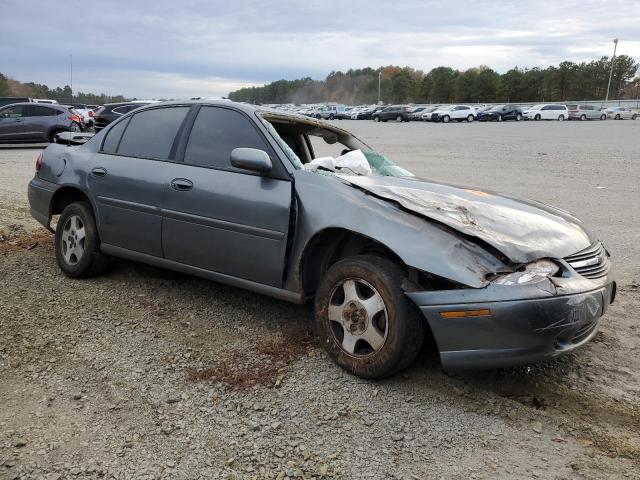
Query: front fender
[(325, 202)]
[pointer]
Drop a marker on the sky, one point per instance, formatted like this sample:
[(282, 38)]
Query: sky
[(184, 48)]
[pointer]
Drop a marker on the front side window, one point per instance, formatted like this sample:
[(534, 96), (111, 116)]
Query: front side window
[(151, 133), (215, 133), (112, 139), (12, 112)]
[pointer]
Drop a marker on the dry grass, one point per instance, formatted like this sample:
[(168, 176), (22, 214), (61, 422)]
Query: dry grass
[(14, 241)]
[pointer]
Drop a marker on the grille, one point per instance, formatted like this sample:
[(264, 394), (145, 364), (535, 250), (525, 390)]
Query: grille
[(592, 262)]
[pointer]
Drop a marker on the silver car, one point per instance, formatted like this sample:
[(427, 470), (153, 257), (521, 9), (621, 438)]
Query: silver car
[(585, 112), (621, 113), (237, 194), (32, 122)]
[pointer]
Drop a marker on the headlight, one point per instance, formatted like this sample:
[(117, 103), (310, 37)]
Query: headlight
[(533, 272)]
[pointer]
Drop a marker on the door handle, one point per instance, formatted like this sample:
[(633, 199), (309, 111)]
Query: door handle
[(99, 172), (181, 184)]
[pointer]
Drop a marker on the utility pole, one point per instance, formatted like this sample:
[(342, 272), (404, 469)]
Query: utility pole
[(615, 45), (379, 76), (71, 68)]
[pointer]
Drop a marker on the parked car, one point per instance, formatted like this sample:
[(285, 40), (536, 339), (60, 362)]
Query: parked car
[(10, 100), (621, 113), (546, 112), (585, 112), (31, 122), (363, 113), (415, 114), (111, 111), (454, 112), (86, 112), (399, 113), (346, 113), (387, 258), (329, 112), (500, 113), (426, 113)]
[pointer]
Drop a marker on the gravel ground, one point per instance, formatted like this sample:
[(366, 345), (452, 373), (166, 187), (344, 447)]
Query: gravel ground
[(144, 373)]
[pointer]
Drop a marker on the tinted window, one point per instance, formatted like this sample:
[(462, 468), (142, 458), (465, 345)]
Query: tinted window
[(150, 134), (40, 111), (110, 144), (12, 112), (217, 131)]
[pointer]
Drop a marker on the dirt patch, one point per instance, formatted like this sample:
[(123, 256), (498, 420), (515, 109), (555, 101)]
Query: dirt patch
[(13, 239), (264, 364)]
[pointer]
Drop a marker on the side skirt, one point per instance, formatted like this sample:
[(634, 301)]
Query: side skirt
[(268, 290)]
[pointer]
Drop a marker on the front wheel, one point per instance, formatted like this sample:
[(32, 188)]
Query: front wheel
[(470, 118), (446, 119), (537, 117), (399, 118), (561, 118), (617, 117), (518, 117), (77, 245), (603, 117), (365, 321)]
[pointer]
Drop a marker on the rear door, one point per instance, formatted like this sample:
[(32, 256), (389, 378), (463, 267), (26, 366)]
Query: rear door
[(13, 124), (128, 178), (220, 218), (43, 119)]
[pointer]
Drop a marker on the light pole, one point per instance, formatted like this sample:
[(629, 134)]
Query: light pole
[(379, 76), (71, 69), (615, 45)]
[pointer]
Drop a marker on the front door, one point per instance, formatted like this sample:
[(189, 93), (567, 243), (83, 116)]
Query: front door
[(220, 218), (13, 124)]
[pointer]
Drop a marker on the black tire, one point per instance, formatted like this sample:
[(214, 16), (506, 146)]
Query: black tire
[(603, 117), (53, 134), (634, 116), (91, 261), (561, 118), (376, 119), (537, 117), (518, 117), (399, 118), (331, 117), (470, 119), (617, 117), (446, 119), (404, 324), (583, 117)]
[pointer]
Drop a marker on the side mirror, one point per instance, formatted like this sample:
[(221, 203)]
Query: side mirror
[(251, 159)]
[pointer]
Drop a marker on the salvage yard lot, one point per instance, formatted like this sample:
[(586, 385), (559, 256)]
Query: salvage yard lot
[(145, 373)]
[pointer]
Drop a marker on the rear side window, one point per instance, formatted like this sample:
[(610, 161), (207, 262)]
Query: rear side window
[(150, 134), (40, 111), (215, 133), (114, 134)]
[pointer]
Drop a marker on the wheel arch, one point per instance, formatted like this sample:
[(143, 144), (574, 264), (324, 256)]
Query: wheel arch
[(66, 195)]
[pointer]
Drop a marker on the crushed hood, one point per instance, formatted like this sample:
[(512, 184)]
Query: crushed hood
[(521, 230)]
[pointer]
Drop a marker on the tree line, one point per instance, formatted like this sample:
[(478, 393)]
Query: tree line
[(10, 87), (567, 81)]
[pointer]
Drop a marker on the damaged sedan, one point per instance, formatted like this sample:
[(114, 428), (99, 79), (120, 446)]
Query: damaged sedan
[(240, 195)]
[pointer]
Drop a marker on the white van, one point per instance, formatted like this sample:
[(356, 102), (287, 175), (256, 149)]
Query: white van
[(546, 111)]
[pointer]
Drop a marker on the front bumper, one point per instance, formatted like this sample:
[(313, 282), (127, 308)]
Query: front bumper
[(524, 324)]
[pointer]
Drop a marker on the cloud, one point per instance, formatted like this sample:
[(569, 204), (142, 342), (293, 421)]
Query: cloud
[(179, 49)]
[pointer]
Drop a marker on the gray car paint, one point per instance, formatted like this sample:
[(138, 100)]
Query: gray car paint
[(253, 231), (30, 128)]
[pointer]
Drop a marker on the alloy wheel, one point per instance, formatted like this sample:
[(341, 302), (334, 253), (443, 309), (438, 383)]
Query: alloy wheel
[(73, 240), (358, 317)]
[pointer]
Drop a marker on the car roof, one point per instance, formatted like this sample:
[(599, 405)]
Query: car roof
[(31, 104)]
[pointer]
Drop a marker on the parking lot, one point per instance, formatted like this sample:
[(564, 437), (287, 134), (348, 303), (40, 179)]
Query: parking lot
[(145, 373)]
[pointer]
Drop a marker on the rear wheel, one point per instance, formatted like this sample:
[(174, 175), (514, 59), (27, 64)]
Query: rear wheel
[(518, 117), (470, 118), (399, 118), (365, 321), (634, 116), (583, 117), (77, 245), (561, 118), (603, 117), (537, 117)]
